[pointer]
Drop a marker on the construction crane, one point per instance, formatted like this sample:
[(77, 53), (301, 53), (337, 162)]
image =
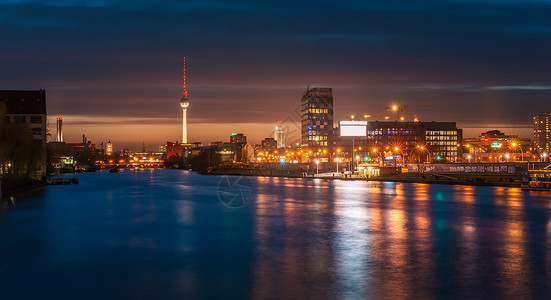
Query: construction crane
[(397, 110)]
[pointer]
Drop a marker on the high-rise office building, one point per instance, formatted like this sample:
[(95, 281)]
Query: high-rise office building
[(279, 136), (317, 117), (542, 133)]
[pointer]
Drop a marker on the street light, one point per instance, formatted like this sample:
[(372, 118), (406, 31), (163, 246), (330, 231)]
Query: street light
[(469, 158), (396, 149), (515, 145), (338, 159), (474, 151), (374, 150), (317, 166)]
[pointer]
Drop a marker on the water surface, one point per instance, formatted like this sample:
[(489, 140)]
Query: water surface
[(166, 234)]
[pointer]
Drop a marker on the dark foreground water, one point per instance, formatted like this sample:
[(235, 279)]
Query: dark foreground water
[(167, 234)]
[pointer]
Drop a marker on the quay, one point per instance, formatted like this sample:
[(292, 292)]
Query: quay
[(61, 181)]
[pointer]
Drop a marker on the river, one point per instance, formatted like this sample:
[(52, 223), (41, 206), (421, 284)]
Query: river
[(171, 234)]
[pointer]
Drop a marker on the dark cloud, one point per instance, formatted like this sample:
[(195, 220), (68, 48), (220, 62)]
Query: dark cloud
[(250, 61)]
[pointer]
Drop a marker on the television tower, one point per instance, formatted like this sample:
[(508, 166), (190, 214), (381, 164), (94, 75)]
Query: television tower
[(184, 103)]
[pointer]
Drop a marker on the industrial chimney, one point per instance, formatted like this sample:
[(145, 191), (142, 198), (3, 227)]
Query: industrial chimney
[(59, 125)]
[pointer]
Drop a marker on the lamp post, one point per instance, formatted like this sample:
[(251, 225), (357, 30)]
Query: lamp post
[(317, 166), (338, 159), (353, 152), (396, 149), (515, 145), (474, 151)]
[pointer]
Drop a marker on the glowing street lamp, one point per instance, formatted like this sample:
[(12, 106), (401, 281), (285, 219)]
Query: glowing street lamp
[(317, 166), (469, 158), (396, 149), (374, 150), (515, 145)]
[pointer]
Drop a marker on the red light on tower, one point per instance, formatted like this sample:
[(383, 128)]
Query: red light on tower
[(184, 91)]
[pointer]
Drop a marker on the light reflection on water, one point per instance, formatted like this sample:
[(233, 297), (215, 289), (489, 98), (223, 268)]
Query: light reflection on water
[(165, 234)]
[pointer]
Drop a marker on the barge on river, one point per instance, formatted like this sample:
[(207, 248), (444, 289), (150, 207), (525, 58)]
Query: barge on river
[(537, 180)]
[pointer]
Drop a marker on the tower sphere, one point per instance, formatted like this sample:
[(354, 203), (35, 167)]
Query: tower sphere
[(184, 103)]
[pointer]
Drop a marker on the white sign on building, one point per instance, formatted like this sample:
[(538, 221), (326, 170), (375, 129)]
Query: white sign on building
[(353, 128)]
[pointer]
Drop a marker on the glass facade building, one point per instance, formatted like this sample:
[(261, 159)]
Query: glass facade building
[(542, 134), (317, 118), (440, 139)]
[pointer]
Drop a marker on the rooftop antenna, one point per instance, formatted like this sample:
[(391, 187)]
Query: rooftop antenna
[(184, 91)]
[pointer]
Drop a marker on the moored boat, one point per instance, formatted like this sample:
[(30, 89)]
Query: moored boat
[(537, 180)]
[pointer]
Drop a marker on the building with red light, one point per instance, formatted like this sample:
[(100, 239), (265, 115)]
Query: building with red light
[(176, 149)]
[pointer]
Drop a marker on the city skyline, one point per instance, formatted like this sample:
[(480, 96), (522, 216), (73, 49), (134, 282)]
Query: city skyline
[(482, 65)]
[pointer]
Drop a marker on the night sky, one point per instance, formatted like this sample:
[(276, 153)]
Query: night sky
[(112, 69)]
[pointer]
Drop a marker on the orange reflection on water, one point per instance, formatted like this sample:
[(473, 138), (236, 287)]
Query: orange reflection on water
[(513, 264), (514, 197), (466, 193), (299, 216), (501, 195), (394, 245), (468, 253), (422, 238)]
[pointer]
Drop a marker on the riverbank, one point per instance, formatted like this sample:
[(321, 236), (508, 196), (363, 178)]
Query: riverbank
[(10, 188), (474, 179)]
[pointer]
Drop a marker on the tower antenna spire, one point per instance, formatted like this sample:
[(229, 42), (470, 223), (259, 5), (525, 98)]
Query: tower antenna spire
[(184, 91)]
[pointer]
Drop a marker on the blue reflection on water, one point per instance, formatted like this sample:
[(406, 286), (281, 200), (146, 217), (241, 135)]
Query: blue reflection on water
[(165, 234)]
